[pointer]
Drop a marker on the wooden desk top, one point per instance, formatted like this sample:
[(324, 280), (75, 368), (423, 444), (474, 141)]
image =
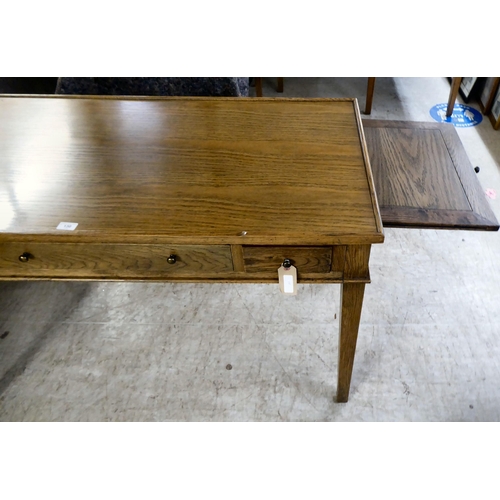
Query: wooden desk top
[(186, 170)]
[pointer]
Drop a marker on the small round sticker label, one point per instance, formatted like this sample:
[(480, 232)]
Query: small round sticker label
[(462, 116)]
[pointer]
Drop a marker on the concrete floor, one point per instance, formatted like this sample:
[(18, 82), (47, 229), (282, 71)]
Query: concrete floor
[(428, 348)]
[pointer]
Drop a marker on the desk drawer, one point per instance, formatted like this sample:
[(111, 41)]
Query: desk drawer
[(82, 260), (306, 259)]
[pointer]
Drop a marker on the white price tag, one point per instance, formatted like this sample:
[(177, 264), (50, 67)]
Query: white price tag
[(67, 226), (288, 283), (288, 280)]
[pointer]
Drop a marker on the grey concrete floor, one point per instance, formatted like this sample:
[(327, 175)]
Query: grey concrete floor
[(428, 348)]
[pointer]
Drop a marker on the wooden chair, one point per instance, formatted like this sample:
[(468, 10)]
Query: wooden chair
[(369, 91), (455, 85), (258, 86)]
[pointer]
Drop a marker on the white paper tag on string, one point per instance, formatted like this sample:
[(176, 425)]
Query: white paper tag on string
[(288, 280)]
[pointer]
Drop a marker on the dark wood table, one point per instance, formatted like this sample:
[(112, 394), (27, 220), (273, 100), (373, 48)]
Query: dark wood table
[(189, 189), (423, 177)]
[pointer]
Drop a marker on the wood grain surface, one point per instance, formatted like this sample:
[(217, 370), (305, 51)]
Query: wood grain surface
[(185, 171), (350, 315), (189, 189), (424, 178), (214, 263), (418, 169), (356, 262), (305, 259), (88, 260)]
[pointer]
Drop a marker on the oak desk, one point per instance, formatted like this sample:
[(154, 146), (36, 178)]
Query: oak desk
[(189, 189)]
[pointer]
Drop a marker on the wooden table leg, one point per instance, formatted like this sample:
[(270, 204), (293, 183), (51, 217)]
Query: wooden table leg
[(280, 84), (369, 95), (258, 86), (351, 302), (455, 85)]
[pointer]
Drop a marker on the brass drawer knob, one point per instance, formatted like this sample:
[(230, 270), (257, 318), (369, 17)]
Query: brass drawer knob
[(172, 259), (24, 257)]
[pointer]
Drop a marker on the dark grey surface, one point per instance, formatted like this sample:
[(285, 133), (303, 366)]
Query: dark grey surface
[(198, 86), (154, 86), (28, 85)]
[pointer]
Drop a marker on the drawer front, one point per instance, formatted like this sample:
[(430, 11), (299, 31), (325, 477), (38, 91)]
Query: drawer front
[(259, 259), (81, 260)]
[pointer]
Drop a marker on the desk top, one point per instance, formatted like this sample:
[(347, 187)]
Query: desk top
[(186, 170)]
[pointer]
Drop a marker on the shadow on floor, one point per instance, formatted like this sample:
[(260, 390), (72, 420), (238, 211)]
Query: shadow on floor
[(31, 331)]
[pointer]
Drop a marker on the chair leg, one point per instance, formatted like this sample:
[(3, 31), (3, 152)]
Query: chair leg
[(280, 84), (455, 85), (369, 95), (258, 87)]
